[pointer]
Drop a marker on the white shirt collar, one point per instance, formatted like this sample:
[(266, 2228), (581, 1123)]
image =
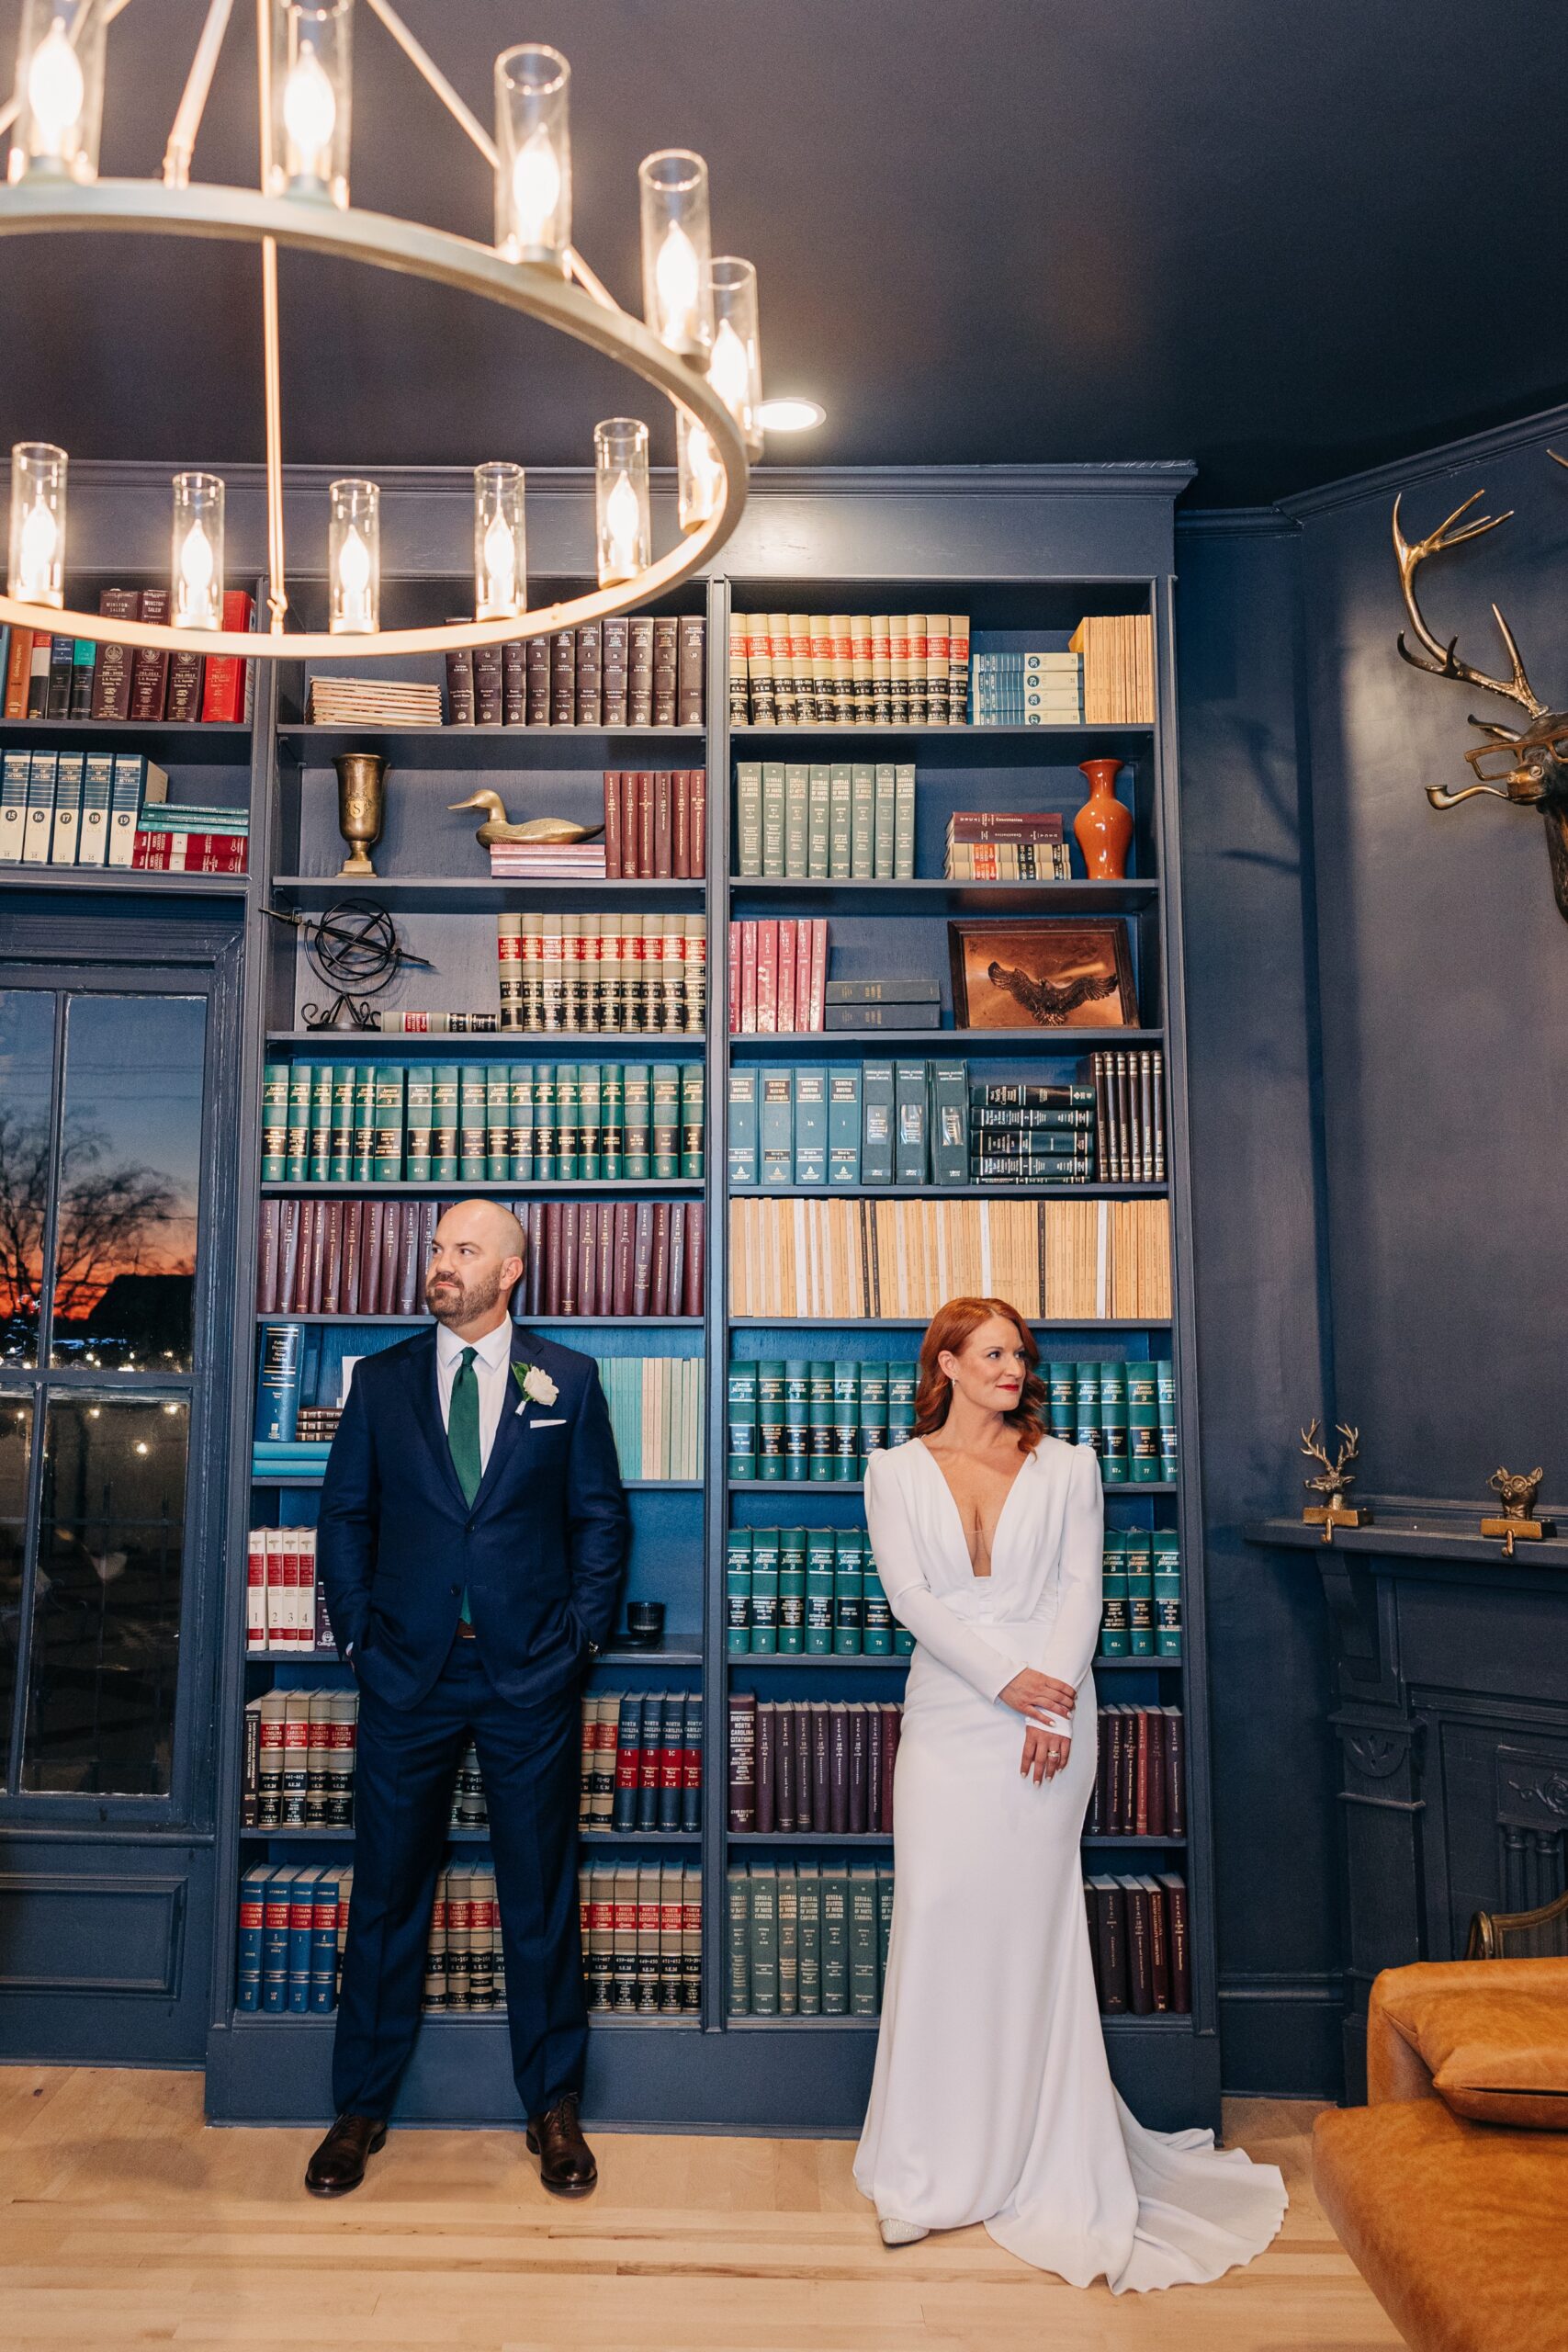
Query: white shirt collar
[(492, 1350)]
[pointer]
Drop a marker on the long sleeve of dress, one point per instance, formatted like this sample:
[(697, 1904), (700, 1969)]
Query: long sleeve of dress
[(1074, 1637), (957, 1645)]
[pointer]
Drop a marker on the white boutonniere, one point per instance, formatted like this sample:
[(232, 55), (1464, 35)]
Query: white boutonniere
[(537, 1386)]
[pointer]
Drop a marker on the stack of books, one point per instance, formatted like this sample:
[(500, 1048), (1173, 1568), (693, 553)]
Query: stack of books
[(464, 1964), (1026, 690), (1006, 845), (641, 1761), (547, 861), (894, 1003), (795, 1766), (642, 1937), (77, 677), (1118, 652), (298, 1766), (371, 702), (190, 839), (1030, 1134), (656, 824), (1137, 1940)]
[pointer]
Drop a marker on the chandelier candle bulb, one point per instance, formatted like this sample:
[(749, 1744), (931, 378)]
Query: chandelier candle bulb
[(60, 89), (735, 362), (700, 475), (353, 558), (36, 573), (533, 172), (500, 560), (311, 98), (677, 285), (622, 513), (197, 559)]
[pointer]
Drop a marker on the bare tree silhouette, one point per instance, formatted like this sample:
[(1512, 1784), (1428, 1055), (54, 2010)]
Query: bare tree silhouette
[(111, 1219)]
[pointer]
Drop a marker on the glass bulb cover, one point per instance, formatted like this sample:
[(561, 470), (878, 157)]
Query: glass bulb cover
[(57, 88), (310, 111)]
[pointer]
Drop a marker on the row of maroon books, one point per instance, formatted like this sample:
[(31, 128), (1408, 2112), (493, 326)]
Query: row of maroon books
[(799, 1765), (1139, 1790), (1138, 1943), (634, 670), (48, 676), (656, 824), (778, 976), (335, 1256)]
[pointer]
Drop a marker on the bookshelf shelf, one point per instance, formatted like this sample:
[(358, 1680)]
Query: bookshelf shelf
[(938, 897), (534, 1322), (1122, 1843), (1046, 1044), (806, 1487), (303, 1478), (120, 877), (468, 1835), (444, 902), (847, 1839), (505, 1186), (204, 743)]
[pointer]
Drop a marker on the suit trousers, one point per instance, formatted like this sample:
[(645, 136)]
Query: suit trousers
[(404, 1773)]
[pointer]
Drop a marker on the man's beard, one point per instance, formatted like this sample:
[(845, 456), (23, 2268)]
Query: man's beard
[(453, 1302)]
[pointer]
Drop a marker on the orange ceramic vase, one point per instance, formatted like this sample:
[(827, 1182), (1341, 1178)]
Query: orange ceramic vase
[(1103, 827)]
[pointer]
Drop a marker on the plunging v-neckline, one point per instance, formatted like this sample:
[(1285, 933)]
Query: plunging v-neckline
[(958, 1515)]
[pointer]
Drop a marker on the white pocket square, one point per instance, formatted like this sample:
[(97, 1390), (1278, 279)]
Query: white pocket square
[(558, 1423)]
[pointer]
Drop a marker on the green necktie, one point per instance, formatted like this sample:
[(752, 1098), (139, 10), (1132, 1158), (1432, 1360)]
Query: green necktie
[(463, 1435)]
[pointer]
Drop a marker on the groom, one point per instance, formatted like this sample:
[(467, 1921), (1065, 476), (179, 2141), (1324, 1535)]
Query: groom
[(472, 1533)]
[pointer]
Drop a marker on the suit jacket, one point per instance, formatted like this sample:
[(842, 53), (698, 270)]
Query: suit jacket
[(540, 1551)]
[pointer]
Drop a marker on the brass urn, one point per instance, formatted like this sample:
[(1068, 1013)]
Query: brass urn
[(361, 806)]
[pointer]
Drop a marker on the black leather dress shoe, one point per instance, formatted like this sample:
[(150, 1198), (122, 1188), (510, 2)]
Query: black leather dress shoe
[(566, 2161), (339, 2162)]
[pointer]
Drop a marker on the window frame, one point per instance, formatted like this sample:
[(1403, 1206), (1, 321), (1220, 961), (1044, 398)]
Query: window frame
[(99, 956)]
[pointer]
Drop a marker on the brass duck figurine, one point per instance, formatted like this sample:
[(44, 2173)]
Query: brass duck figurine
[(498, 828)]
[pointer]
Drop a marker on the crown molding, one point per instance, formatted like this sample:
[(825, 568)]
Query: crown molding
[(1236, 522), (1157, 478), (1426, 465)]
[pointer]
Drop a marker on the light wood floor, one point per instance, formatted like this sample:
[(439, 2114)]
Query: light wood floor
[(124, 2222)]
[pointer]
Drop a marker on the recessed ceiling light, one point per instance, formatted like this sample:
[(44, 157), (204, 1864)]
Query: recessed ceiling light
[(790, 415)]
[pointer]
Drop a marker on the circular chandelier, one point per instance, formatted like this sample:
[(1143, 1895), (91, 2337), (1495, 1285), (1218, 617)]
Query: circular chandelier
[(696, 343)]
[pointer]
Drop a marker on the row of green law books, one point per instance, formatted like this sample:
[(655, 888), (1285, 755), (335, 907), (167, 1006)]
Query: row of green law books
[(901, 1122), (1126, 1411), (1142, 1603), (325, 1122), (800, 1421), (809, 1592), (807, 1941)]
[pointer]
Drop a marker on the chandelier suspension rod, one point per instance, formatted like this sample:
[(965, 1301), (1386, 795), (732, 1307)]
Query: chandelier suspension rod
[(113, 8), (193, 98), (466, 120), (272, 381)]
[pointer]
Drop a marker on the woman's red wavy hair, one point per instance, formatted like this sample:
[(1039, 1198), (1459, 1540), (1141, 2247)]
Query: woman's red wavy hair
[(948, 1332)]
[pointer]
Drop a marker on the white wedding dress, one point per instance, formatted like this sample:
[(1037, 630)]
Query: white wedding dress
[(992, 2100)]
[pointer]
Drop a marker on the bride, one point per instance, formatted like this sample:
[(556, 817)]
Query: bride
[(992, 2100)]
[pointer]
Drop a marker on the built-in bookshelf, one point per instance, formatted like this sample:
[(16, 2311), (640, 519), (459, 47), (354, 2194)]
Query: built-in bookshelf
[(776, 2073)]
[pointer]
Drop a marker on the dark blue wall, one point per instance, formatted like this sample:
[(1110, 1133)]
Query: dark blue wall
[(1444, 979), (1262, 1337)]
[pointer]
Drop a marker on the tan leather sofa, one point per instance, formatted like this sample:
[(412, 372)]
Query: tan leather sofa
[(1449, 2189)]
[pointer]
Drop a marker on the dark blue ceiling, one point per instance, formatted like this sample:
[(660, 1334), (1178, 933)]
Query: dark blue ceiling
[(1285, 242)]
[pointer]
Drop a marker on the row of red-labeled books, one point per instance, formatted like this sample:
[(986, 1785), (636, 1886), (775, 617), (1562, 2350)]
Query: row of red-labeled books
[(655, 824), (778, 976), (1140, 1787)]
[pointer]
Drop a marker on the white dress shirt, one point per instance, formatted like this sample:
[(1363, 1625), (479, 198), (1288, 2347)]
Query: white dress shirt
[(492, 1358)]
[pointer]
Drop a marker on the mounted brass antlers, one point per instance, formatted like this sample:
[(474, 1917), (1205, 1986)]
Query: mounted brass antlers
[(1332, 1481), (1535, 770)]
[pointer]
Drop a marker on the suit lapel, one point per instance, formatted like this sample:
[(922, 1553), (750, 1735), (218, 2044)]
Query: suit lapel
[(508, 1429), (425, 1383)]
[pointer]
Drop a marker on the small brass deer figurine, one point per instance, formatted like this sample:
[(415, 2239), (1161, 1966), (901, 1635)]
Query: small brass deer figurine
[(1332, 1481), (1534, 773), (1516, 1490)]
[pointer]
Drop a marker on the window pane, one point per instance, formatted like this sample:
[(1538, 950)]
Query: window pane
[(16, 1433), (105, 1612), (27, 1064), (130, 1163)]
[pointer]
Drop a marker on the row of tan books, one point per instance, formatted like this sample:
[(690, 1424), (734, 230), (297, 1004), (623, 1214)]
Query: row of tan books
[(849, 669), (1078, 1261), (643, 973), (641, 1925), (1118, 651)]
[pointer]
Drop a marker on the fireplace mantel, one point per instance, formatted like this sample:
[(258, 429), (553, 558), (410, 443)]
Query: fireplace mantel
[(1451, 1666)]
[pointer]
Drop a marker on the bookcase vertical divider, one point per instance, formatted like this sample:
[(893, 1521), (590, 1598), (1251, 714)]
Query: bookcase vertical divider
[(716, 1692)]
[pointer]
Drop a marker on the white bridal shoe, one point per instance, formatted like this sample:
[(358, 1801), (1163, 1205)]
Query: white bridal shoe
[(902, 2233)]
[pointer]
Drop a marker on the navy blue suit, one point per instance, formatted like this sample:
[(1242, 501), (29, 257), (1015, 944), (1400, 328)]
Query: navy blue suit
[(540, 1553)]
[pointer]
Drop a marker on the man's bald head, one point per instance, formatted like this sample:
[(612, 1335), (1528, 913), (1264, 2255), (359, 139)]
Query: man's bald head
[(475, 1261)]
